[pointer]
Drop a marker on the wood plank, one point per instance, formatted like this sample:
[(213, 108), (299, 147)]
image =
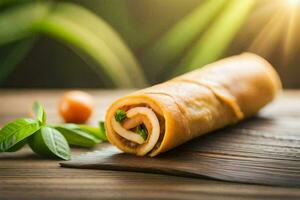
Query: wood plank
[(24, 175), (262, 150)]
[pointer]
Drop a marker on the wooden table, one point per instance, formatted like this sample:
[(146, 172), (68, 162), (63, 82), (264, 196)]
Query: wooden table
[(24, 175)]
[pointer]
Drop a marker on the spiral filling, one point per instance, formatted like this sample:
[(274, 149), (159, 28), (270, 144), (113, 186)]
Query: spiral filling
[(139, 127)]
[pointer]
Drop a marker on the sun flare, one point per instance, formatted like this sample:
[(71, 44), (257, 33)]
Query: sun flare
[(279, 31), (293, 2)]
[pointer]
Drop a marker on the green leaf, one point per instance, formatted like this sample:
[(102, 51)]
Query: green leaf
[(86, 40), (18, 146), (217, 38), (16, 131), (39, 112), (77, 137), (18, 22), (96, 42), (120, 115), (7, 3), (112, 12), (105, 32), (96, 131), (50, 143), (174, 42), (142, 131), (11, 55)]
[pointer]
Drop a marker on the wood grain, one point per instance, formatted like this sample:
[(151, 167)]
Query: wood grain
[(248, 152), (24, 175)]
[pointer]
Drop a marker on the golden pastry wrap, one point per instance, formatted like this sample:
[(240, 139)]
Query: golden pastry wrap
[(196, 103)]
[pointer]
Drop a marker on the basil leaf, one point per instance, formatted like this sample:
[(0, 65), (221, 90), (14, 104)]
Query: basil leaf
[(18, 146), (98, 132), (77, 137), (51, 143), (39, 112), (16, 131), (90, 129)]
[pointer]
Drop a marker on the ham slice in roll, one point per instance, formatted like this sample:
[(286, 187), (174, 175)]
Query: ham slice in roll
[(159, 118)]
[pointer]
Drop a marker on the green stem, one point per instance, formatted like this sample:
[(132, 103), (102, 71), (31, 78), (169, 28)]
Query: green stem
[(217, 38), (178, 38)]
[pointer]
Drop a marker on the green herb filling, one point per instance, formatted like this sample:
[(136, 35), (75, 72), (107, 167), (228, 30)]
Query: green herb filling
[(142, 131), (120, 115)]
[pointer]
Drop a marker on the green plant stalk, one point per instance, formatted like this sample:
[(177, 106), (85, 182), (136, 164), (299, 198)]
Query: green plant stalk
[(178, 38), (16, 23), (74, 35), (217, 38), (4, 3), (110, 37), (13, 55), (33, 18), (118, 14)]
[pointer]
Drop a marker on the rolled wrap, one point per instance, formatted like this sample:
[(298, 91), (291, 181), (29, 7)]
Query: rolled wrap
[(201, 101)]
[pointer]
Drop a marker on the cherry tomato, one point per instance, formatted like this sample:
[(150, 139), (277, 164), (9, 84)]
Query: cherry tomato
[(76, 106)]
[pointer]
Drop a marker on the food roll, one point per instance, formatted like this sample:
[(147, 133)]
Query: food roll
[(159, 118)]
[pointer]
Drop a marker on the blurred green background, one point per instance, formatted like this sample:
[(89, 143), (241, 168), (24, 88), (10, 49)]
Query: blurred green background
[(135, 43)]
